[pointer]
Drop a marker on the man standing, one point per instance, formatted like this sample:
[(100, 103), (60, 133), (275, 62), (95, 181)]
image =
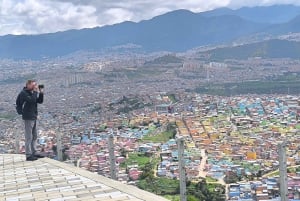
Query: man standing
[(26, 104)]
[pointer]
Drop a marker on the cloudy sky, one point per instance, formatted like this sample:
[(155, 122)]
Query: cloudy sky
[(44, 16)]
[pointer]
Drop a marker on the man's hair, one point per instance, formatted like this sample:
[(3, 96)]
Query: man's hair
[(29, 82)]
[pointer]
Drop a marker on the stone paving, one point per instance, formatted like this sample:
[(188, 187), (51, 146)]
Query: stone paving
[(50, 180)]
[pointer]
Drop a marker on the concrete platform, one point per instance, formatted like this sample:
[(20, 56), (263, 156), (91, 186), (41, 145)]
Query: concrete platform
[(50, 180)]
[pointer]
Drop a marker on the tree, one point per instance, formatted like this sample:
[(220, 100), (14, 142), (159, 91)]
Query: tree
[(123, 152), (148, 175), (192, 198), (231, 179)]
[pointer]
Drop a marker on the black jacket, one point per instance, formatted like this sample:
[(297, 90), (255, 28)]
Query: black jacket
[(29, 100)]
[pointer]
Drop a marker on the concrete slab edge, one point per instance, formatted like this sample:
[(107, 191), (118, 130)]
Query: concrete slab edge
[(130, 190)]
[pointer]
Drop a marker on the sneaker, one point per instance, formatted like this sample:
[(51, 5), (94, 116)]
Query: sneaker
[(38, 156), (31, 158)]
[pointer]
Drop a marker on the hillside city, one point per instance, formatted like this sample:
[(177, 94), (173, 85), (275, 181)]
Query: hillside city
[(151, 100), (231, 138)]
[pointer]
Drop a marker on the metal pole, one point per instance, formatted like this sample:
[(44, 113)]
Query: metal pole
[(112, 159), (58, 140), (283, 171), (180, 143), (78, 162), (59, 146), (17, 151)]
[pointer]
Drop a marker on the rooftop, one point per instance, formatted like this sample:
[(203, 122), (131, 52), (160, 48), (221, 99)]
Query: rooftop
[(47, 179)]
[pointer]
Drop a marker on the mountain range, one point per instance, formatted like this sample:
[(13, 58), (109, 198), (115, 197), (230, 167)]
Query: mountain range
[(175, 31)]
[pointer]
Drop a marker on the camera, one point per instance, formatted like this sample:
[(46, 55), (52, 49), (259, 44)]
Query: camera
[(41, 86)]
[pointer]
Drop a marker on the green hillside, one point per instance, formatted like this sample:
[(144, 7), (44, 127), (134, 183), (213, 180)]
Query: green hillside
[(267, 49), (166, 59), (252, 87)]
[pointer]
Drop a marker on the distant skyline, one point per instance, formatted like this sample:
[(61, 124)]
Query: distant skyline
[(47, 16)]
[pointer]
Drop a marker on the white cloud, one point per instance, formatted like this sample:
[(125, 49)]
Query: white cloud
[(43, 16), (35, 16), (239, 3), (114, 15)]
